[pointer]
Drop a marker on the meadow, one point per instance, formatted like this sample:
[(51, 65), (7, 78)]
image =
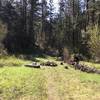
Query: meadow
[(18, 82)]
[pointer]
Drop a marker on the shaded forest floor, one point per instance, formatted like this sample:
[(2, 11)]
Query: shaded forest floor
[(22, 83)]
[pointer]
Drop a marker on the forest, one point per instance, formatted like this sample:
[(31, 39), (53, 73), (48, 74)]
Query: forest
[(61, 34), (28, 25)]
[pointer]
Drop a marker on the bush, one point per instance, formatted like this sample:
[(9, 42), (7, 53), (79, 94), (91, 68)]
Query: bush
[(94, 41)]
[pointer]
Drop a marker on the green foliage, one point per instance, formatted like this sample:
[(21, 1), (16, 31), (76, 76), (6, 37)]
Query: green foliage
[(94, 41), (35, 24)]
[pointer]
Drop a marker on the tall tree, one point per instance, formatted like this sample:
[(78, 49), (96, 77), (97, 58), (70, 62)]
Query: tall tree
[(51, 16), (44, 9)]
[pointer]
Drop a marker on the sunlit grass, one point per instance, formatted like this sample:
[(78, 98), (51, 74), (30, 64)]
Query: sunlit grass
[(18, 82), (58, 83), (12, 61), (85, 77)]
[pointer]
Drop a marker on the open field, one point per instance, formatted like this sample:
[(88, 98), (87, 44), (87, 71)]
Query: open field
[(22, 83)]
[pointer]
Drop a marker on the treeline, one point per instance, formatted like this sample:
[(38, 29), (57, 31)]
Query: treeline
[(28, 24)]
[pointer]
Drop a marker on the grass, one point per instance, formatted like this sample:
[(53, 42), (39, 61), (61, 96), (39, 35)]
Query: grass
[(22, 83), (85, 77), (12, 61)]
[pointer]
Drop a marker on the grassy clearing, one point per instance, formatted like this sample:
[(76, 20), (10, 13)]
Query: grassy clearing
[(22, 83)]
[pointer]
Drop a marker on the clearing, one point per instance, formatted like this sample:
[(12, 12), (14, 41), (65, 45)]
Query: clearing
[(22, 83)]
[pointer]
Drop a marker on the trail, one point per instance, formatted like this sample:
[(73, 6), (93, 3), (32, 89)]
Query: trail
[(58, 84), (52, 89), (65, 85)]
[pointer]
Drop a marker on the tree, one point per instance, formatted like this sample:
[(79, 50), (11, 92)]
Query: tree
[(44, 11), (19, 18), (51, 17)]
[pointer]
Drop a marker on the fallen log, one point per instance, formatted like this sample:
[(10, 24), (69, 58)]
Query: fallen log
[(33, 65), (87, 69)]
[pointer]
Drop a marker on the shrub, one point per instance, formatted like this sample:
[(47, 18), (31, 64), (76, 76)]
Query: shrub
[(94, 41)]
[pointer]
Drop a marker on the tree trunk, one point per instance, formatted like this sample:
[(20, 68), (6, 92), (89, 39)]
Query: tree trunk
[(93, 13), (87, 7), (73, 37)]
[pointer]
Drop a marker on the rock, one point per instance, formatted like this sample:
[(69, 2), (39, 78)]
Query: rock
[(66, 67), (61, 63)]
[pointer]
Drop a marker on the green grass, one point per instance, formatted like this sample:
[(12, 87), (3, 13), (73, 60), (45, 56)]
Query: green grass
[(85, 77), (12, 61), (23, 83), (17, 82)]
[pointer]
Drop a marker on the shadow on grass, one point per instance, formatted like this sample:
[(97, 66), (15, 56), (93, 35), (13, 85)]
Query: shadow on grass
[(31, 57)]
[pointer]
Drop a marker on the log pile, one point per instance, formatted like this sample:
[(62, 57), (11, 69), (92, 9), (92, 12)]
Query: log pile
[(38, 65), (84, 68), (87, 69), (48, 63)]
